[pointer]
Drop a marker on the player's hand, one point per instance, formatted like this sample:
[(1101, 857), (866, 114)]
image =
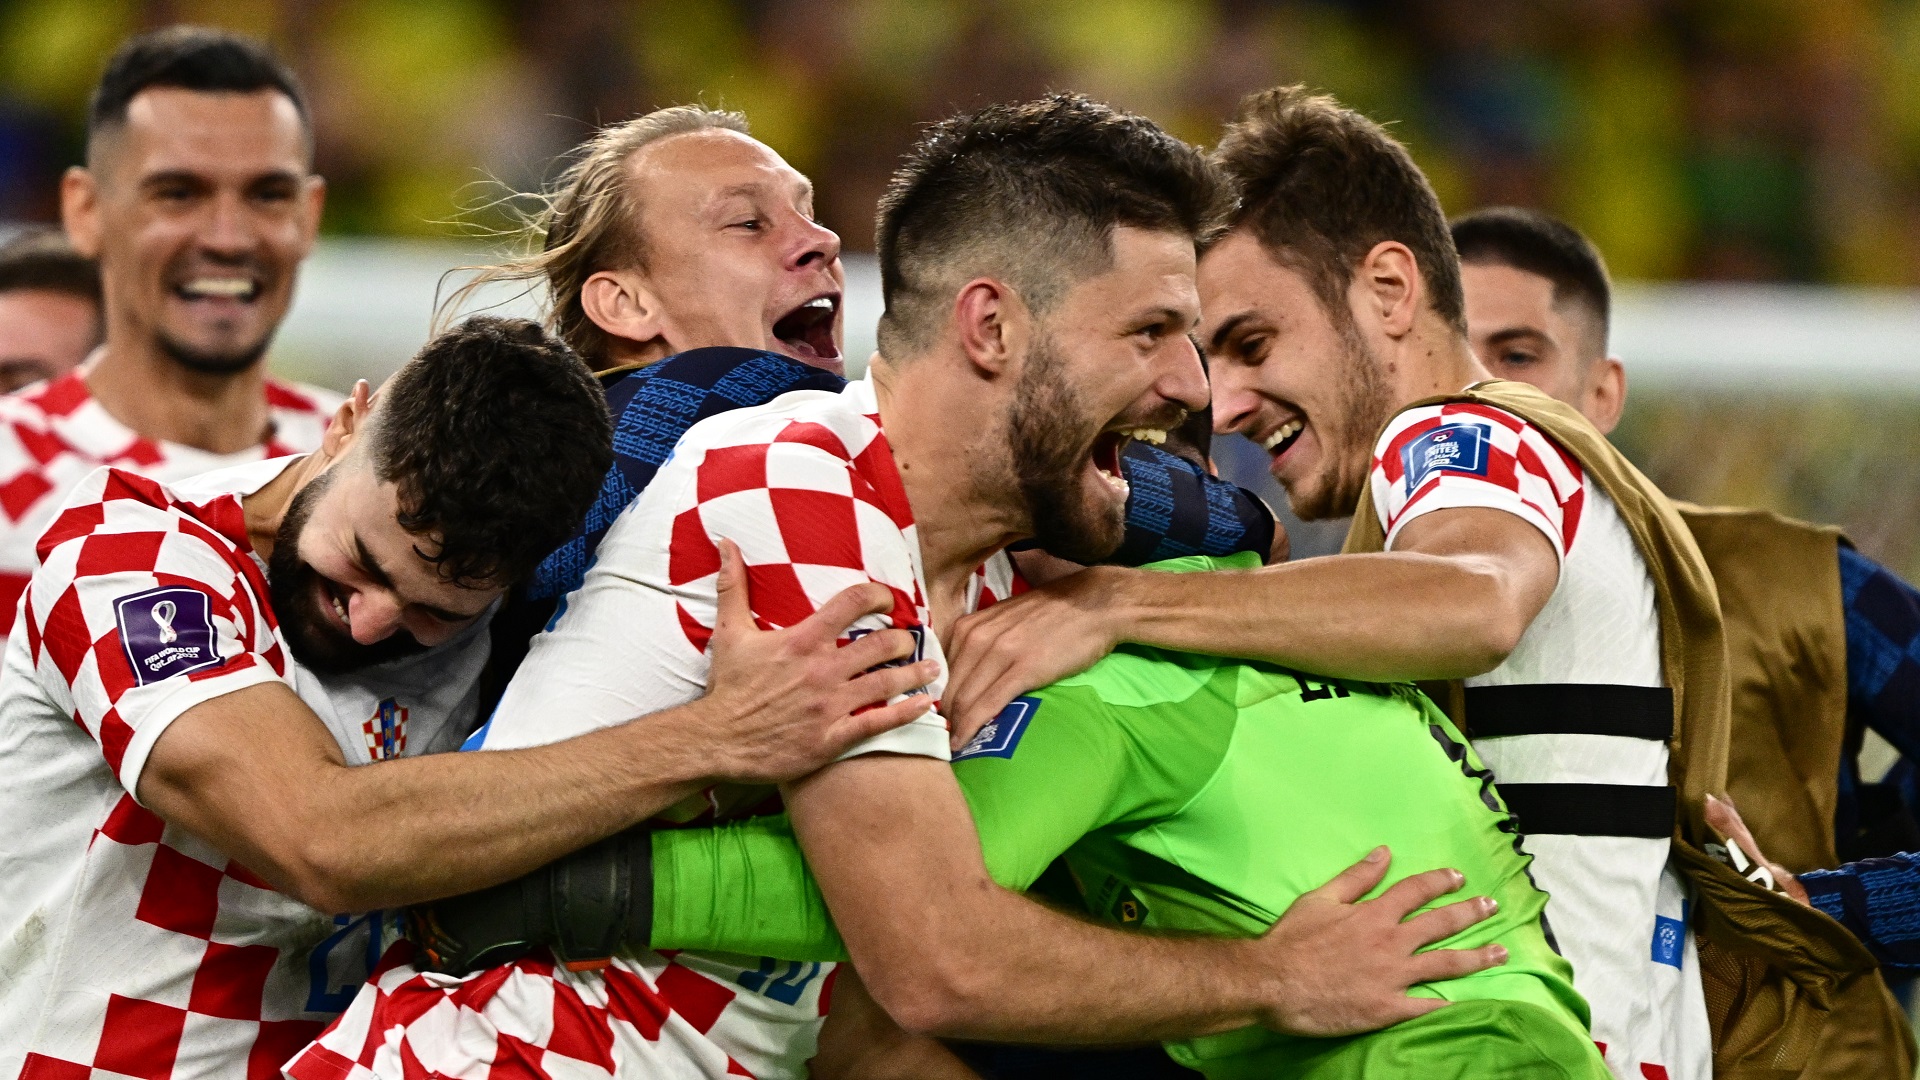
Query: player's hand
[(1725, 819), (1027, 642), (1342, 965), (783, 703)]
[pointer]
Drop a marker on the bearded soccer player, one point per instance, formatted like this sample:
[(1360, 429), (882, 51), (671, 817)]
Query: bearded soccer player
[(1573, 602), (1799, 601), (1006, 384), (195, 674), (199, 201)]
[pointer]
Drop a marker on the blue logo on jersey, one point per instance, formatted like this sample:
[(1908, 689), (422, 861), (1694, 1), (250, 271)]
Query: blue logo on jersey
[(166, 632), (1669, 940), (1002, 734), (919, 634), (1453, 447)]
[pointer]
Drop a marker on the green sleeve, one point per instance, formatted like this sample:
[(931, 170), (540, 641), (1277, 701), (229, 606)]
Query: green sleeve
[(741, 887), (744, 888)]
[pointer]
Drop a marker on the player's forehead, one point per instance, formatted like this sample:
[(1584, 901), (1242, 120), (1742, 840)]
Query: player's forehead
[(1242, 285), (217, 135), (697, 173)]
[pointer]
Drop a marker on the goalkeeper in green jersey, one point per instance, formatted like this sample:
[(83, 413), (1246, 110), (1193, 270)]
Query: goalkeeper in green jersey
[(1203, 795)]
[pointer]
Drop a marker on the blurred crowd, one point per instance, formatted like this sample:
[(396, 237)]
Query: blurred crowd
[(1718, 139)]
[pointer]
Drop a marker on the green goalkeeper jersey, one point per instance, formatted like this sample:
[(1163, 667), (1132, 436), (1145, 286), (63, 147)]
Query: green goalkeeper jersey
[(1189, 794)]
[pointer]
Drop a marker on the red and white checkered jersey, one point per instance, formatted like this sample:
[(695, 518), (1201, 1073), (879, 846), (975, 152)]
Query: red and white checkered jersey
[(1611, 897), (129, 946), (1468, 454), (53, 434), (807, 487)]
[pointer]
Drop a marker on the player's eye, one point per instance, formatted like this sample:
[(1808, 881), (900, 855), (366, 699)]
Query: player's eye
[(1517, 357)]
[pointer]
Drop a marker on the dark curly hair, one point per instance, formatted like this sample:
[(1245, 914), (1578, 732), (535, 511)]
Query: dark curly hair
[(190, 58), (497, 437), (1320, 185), (1029, 193)]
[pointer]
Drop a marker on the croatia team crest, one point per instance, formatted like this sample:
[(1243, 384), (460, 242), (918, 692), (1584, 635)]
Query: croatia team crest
[(386, 731)]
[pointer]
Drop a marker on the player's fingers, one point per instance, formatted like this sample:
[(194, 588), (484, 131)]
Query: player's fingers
[(844, 608), (1413, 893), (732, 612), (859, 727), (887, 683), (872, 650), (1358, 880), (1443, 922), (1723, 816), (983, 703), (1435, 965)]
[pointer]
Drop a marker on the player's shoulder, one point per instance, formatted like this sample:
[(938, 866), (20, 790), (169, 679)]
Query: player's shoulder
[(1464, 436), (799, 427), (113, 500)]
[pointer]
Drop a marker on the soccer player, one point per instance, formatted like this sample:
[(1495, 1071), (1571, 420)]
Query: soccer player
[(1823, 633), (1200, 795), (198, 199), (1008, 379), (49, 308), (200, 666), (1498, 540)]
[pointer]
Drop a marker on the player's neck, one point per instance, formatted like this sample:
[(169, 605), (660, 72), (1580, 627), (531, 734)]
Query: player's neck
[(937, 443), (160, 398), (1433, 361)]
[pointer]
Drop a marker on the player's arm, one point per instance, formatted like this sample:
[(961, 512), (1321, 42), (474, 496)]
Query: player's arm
[(948, 952), (255, 773)]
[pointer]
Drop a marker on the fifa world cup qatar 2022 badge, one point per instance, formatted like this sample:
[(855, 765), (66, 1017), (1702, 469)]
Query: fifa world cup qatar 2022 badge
[(386, 731), (1453, 447), (166, 632)]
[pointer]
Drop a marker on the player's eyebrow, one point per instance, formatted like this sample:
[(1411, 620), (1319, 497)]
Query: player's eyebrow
[(1515, 333), (1226, 330), (378, 573)]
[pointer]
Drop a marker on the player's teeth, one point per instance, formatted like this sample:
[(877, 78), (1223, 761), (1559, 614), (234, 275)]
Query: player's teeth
[(1116, 482), (1146, 435), (230, 286), (338, 609), (823, 302), (1286, 431)]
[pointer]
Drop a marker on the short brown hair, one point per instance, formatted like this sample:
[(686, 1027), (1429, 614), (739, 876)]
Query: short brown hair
[(39, 257), (1320, 185), (589, 221), (1030, 193)]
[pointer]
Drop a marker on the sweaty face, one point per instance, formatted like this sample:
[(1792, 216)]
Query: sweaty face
[(1111, 362), (349, 585), (1520, 333), (205, 209), (43, 334), (1290, 377), (733, 252)]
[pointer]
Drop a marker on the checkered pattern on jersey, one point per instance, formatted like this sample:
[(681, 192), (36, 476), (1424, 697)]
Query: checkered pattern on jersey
[(121, 535), (661, 1018), (1468, 454), (54, 434), (184, 985), (182, 963), (652, 408), (1883, 649)]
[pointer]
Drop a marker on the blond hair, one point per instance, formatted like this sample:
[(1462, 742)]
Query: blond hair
[(588, 221)]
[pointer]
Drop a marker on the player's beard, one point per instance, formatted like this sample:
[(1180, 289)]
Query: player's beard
[(204, 362), (293, 589), (1049, 435), (1362, 404)]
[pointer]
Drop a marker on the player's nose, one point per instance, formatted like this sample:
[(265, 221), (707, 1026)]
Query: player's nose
[(374, 615)]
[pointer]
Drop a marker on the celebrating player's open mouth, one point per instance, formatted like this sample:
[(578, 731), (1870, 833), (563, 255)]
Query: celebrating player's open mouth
[(1108, 447), (1281, 434), (809, 332)]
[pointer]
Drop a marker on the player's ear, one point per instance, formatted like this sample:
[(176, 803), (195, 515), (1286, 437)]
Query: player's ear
[(1606, 396), (348, 421), (619, 303), (80, 210), (1390, 288), (992, 325)]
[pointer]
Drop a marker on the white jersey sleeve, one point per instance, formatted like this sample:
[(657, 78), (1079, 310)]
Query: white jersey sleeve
[(1466, 454), (633, 638), (138, 613)]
